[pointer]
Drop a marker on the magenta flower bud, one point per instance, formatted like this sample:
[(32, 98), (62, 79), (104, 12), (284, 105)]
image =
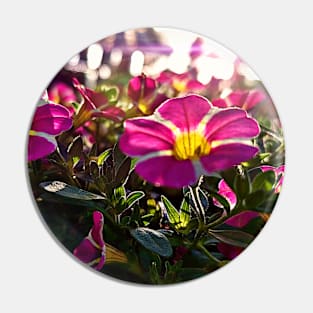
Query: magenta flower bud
[(141, 88)]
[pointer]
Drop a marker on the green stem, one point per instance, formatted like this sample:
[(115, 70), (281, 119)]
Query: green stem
[(209, 255)]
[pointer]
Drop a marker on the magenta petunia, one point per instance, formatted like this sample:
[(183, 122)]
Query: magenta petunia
[(239, 220), (225, 191), (49, 120), (279, 172), (181, 83), (92, 250), (187, 137), (63, 94), (95, 105), (143, 92), (241, 99)]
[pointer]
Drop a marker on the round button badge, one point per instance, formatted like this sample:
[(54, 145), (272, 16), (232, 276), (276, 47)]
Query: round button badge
[(155, 156)]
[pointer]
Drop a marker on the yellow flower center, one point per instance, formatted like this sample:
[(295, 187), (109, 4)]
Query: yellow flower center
[(191, 146), (179, 85)]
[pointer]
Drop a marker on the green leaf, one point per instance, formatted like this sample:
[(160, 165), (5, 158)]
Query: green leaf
[(153, 240), (75, 149), (123, 171), (171, 211), (120, 193), (133, 197), (242, 185), (236, 238), (222, 201), (264, 181), (112, 94), (68, 191), (184, 215), (254, 199), (103, 156)]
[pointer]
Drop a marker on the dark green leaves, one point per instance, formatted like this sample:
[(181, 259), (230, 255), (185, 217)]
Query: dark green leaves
[(68, 191), (153, 241), (236, 238)]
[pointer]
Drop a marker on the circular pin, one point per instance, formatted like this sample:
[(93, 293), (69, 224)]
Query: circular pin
[(155, 156)]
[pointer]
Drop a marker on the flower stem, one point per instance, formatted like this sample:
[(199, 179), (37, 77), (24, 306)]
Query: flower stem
[(212, 258)]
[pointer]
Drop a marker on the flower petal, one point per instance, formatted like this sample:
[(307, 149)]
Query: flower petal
[(97, 229), (112, 113), (52, 119), (86, 251), (229, 124), (143, 135), (230, 252), (39, 147), (185, 112), (242, 219), (226, 156), (167, 171), (141, 87)]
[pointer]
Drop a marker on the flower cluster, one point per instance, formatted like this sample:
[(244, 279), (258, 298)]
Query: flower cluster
[(167, 172)]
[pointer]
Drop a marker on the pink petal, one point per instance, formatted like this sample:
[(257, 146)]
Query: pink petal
[(225, 156), (196, 48), (141, 87), (185, 112), (230, 124), (143, 135), (61, 93), (230, 252), (220, 103), (39, 147), (254, 98), (194, 85), (225, 191), (97, 229), (167, 171), (112, 113), (52, 119), (242, 219), (86, 251)]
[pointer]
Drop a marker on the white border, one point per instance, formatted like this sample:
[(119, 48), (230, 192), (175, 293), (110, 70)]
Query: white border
[(37, 38)]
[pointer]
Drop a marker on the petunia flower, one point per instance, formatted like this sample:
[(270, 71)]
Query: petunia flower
[(225, 191), (143, 91), (95, 105), (279, 172), (241, 99), (239, 220), (49, 120), (93, 250), (181, 83), (186, 137), (63, 94)]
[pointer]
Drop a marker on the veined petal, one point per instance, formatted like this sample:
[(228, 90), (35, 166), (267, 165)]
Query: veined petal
[(185, 112), (52, 119), (112, 113), (39, 146), (229, 124), (227, 155), (167, 171), (144, 135)]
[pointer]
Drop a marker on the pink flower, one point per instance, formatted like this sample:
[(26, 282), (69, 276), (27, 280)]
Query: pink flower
[(241, 99), (239, 220), (49, 120), (95, 105), (62, 94), (279, 172), (181, 83), (142, 90), (225, 191), (93, 250), (187, 137)]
